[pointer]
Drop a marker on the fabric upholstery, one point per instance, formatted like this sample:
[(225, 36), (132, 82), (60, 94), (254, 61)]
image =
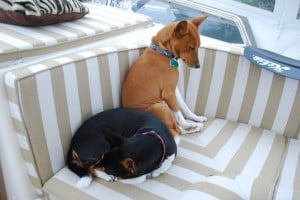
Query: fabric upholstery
[(288, 186), (228, 86), (18, 42), (243, 151), (238, 161)]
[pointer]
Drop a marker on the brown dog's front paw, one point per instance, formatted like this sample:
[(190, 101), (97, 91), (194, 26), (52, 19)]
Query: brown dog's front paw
[(191, 128), (197, 118), (201, 119)]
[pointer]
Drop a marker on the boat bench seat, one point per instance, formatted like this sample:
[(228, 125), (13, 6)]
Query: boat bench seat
[(248, 149), (18, 43)]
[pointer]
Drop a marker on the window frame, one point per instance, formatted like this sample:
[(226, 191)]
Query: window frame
[(241, 22), (284, 14)]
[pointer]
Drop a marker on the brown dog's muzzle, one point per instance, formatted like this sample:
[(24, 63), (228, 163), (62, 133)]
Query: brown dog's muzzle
[(197, 65), (191, 60)]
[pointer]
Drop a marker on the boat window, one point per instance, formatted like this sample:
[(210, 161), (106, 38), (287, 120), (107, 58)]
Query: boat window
[(219, 25), (264, 4)]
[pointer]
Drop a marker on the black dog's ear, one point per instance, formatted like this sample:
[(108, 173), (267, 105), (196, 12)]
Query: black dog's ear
[(75, 164), (129, 164), (112, 138), (75, 158)]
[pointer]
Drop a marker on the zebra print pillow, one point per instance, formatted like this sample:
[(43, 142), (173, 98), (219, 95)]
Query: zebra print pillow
[(40, 12)]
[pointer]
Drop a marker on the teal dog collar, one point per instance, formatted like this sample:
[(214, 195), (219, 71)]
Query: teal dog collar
[(173, 62)]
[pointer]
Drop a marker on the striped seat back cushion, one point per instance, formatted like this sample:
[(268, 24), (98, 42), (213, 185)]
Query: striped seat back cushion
[(50, 100), (228, 86)]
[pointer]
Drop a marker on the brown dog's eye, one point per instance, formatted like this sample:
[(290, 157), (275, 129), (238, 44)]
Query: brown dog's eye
[(192, 48)]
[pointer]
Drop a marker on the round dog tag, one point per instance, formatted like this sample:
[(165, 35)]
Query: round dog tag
[(174, 63)]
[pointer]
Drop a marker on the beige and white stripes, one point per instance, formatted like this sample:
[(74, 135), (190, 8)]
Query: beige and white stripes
[(289, 182), (243, 152), (18, 42), (54, 97), (232, 88), (239, 160)]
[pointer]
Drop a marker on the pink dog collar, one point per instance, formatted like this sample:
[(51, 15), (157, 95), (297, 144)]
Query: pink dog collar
[(162, 142)]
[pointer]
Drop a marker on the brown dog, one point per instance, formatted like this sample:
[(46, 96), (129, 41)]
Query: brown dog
[(151, 82)]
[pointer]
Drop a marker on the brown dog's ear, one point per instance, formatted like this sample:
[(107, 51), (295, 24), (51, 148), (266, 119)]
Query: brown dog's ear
[(199, 20), (181, 28), (129, 164), (112, 138)]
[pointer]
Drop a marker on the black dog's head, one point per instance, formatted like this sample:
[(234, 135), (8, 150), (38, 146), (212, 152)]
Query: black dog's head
[(133, 157), (88, 150)]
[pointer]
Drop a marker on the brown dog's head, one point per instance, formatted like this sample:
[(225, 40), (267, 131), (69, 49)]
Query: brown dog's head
[(182, 39)]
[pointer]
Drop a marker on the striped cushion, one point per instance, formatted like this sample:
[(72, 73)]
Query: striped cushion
[(289, 182), (227, 159), (19, 42), (50, 100), (237, 155), (228, 86)]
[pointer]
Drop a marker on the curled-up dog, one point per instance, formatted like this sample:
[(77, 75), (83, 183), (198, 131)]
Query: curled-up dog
[(151, 82), (137, 158), (123, 145)]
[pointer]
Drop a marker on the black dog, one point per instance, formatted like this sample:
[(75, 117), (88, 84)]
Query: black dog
[(121, 144)]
